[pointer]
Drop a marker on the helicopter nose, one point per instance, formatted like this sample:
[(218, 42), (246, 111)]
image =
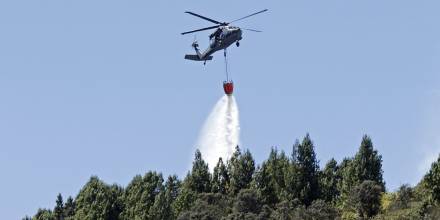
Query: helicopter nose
[(239, 32)]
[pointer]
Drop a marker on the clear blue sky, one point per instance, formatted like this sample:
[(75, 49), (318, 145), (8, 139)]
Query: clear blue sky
[(101, 87)]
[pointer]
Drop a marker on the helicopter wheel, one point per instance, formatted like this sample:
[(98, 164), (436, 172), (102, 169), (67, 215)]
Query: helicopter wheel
[(237, 43)]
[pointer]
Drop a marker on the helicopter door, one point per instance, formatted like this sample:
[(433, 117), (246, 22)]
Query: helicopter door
[(212, 43)]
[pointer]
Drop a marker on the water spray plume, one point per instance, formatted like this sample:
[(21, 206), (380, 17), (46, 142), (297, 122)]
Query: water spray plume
[(220, 133)]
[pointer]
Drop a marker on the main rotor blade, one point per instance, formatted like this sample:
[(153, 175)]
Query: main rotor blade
[(249, 15), (202, 29), (248, 29), (203, 17)]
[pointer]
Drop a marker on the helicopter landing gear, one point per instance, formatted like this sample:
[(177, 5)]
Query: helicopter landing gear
[(237, 43)]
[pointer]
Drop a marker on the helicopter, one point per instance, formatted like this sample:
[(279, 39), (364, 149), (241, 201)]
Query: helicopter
[(222, 38)]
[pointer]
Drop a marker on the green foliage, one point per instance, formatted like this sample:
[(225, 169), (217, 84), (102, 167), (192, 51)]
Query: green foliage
[(140, 194), (403, 197), (265, 185), (44, 214), (163, 203), (277, 165), (199, 179), (432, 180), (367, 164), (69, 207), (319, 209), (247, 201), (292, 178), (208, 206), (98, 201), (241, 168), (330, 178), (366, 198), (309, 189), (220, 178), (161, 208), (184, 200), (58, 211), (280, 188)]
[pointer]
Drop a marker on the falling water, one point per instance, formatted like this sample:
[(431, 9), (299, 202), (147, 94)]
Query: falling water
[(221, 132)]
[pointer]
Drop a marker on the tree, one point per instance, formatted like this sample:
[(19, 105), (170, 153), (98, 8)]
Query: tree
[(185, 199), (308, 172), (403, 197), (241, 168), (199, 179), (58, 211), (220, 178), (348, 181), (247, 201), (140, 195), (172, 186), (292, 177), (277, 165), (284, 210), (368, 163), (98, 201), (366, 198), (432, 180), (211, 206), (265, 185), (162, 207), (329, 181), (69, 207), (319, 209), (44, 214)]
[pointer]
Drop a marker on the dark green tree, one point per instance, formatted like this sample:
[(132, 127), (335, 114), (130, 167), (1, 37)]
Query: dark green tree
[(283, 210), (98, 201), (321, 210), (292, 177), (172, 186), (247, 201), (212, 206), (264, 183), (58, 211), (329, 181), (241, 168), (162, 207), (140, 195), (403, 197), (186, 197), (308, 172), (432, 180), (278, 165), (69, 207), (366, 198), (368, 163), (348, 181), (220, 178), (44, 214), (199, 179)]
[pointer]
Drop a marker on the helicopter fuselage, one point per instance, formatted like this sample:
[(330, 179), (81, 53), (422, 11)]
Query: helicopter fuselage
[(221, 39)]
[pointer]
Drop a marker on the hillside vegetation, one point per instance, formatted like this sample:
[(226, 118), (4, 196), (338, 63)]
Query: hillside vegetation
[(283, 186)]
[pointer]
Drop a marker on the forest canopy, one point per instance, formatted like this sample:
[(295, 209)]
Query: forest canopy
[(284, 186)]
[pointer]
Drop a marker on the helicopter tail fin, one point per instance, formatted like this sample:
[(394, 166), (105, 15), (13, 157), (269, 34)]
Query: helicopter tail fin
[(197, 58)]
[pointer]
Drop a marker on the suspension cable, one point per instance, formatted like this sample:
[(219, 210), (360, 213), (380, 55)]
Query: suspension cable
[(226, 67)]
